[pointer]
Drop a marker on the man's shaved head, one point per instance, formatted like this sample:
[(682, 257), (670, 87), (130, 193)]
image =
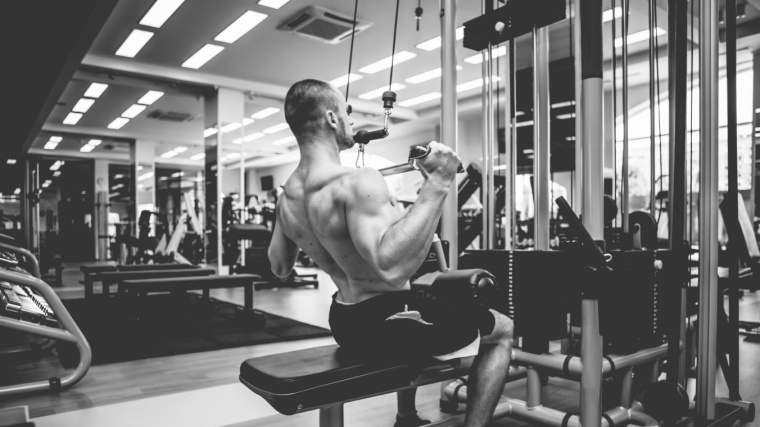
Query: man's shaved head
[(306, 104)]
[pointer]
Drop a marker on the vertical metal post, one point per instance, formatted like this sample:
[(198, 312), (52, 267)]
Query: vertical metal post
[(652, 104), (708, 207), (449, 121), (593, 211), (541, 171), (577, 190), (331, 416), (487, 120), (624, 172)]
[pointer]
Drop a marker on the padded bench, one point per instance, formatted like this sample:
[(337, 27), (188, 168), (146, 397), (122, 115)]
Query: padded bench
[(326, 377), (172, 284), (92, 272), (117, 277)]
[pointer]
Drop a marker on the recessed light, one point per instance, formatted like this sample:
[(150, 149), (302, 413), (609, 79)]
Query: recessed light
[(565, 116), (276, 128), (233, 156), (118, 176), (150, 97), (473, 84), (55, 166), (265, 113), (17, 191), (11, 161), (169, 154), (478, 57), (160, 12), (180, 149), (427, 75), (117, 186), (57, 174), (377, 93), (145, 176), (134, 43), (284, 141), (253, 137), (83, 105), (435, 42), (178, 174), (94, 142), (56, 138), (274, 4), (230, 127), (87, 148), (523, 124), (210, 131), (420, 99), (50, 145), (133, 111), (118, 123), (242, 25), (95, 90), (199, 156), (247, 121), (384, 63), (72, 118), (202, 56), (344, 79), (563, 104)]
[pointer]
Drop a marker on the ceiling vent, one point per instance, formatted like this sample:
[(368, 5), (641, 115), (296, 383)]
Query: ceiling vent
[(320, 24), (171, 116)]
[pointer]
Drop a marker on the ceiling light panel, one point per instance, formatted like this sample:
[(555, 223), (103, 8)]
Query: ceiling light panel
[(134, 43), (94, 142), (72, 118), (118, 123), (95, 90), (344, 80), (276, 128), (203, 55), (284, 141), (230, 127), (199, 156), (377, 93), (384, 63), (83, 105), (160, 12), (420, 99), (265, 113), (435, 42), (87, 148), (274, 4), (11, 161), (427, 75), (133, 111), (253, 136), (169, 154), (180, 149), (50, 145), (150, 97), (473, 84), (240, 27), (56, 138), (607, 14), (247, 121), (639, 37), (208, 132)]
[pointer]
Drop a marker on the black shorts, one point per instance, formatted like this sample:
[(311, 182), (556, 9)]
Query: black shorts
[(365, 326)]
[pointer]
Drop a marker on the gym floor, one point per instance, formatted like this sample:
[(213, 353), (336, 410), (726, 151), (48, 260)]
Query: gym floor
[(202, 389)]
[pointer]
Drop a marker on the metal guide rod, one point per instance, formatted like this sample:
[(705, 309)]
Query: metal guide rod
[(652, 54), (509, 171), (541, 172), (490, 216), (487, 121), (624, 172), (708, 208), (449, 229)]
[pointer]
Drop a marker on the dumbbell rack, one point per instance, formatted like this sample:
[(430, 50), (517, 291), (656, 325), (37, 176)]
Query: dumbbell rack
[(68, 332)]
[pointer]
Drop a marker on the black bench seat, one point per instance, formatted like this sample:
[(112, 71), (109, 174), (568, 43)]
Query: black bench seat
[(313, 378), (173, 284)]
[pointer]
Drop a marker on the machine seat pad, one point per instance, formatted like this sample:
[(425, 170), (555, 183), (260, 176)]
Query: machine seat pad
[(306, 379), (255, 232)]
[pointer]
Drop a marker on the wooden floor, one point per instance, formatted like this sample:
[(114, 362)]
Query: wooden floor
[(202, 389)]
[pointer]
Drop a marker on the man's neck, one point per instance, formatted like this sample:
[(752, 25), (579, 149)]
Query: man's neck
[(319, 151)]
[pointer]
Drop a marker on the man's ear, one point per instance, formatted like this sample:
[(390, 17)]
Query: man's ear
[(332, 119)]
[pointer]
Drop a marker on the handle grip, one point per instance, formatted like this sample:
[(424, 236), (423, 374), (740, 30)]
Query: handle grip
[(594, 255), (364, 137), (421, 151)]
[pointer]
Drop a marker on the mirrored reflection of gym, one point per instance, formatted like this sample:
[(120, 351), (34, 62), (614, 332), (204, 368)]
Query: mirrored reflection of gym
[(380, 213)]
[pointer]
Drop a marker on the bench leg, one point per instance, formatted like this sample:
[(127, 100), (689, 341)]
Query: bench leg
[(331, 416), (206, 295), (87, 286), (249, 297)]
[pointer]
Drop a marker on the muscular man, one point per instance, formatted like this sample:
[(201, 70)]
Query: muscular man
[(344, 219)]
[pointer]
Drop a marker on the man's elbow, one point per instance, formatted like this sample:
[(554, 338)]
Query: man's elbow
[(279, 268)]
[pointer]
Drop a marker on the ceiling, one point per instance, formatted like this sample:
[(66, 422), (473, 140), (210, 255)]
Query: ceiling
[(264, 62)]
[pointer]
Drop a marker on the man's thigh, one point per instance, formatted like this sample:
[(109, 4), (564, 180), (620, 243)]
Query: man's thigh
[(503, 329)]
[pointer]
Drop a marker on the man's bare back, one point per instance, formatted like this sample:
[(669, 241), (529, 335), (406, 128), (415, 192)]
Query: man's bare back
[(320, 193)]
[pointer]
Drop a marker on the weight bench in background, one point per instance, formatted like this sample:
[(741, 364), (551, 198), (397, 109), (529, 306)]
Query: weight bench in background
[(91, 272), (205, 284)]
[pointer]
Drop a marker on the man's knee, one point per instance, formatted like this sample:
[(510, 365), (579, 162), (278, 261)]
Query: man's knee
[(503, 330)]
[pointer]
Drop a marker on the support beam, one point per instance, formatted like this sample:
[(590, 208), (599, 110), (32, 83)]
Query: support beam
[(449, 122), (541, 147)]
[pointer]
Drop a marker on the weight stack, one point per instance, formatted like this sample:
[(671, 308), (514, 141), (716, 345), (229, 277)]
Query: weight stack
[(534, 288)]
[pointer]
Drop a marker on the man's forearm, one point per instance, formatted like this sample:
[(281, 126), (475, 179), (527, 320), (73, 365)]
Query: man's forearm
[(405, 244)]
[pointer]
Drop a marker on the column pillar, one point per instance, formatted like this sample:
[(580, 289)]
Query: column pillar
[(100, 216), (143, 173), (222, 110)]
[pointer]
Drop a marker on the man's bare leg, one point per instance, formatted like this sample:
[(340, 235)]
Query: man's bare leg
[(489, 373)]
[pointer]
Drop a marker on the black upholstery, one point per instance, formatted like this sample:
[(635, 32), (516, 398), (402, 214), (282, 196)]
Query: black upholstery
[(306, 379)]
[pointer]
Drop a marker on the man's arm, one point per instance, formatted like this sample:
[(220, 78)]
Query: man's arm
[(282, 252), (394, 247)]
